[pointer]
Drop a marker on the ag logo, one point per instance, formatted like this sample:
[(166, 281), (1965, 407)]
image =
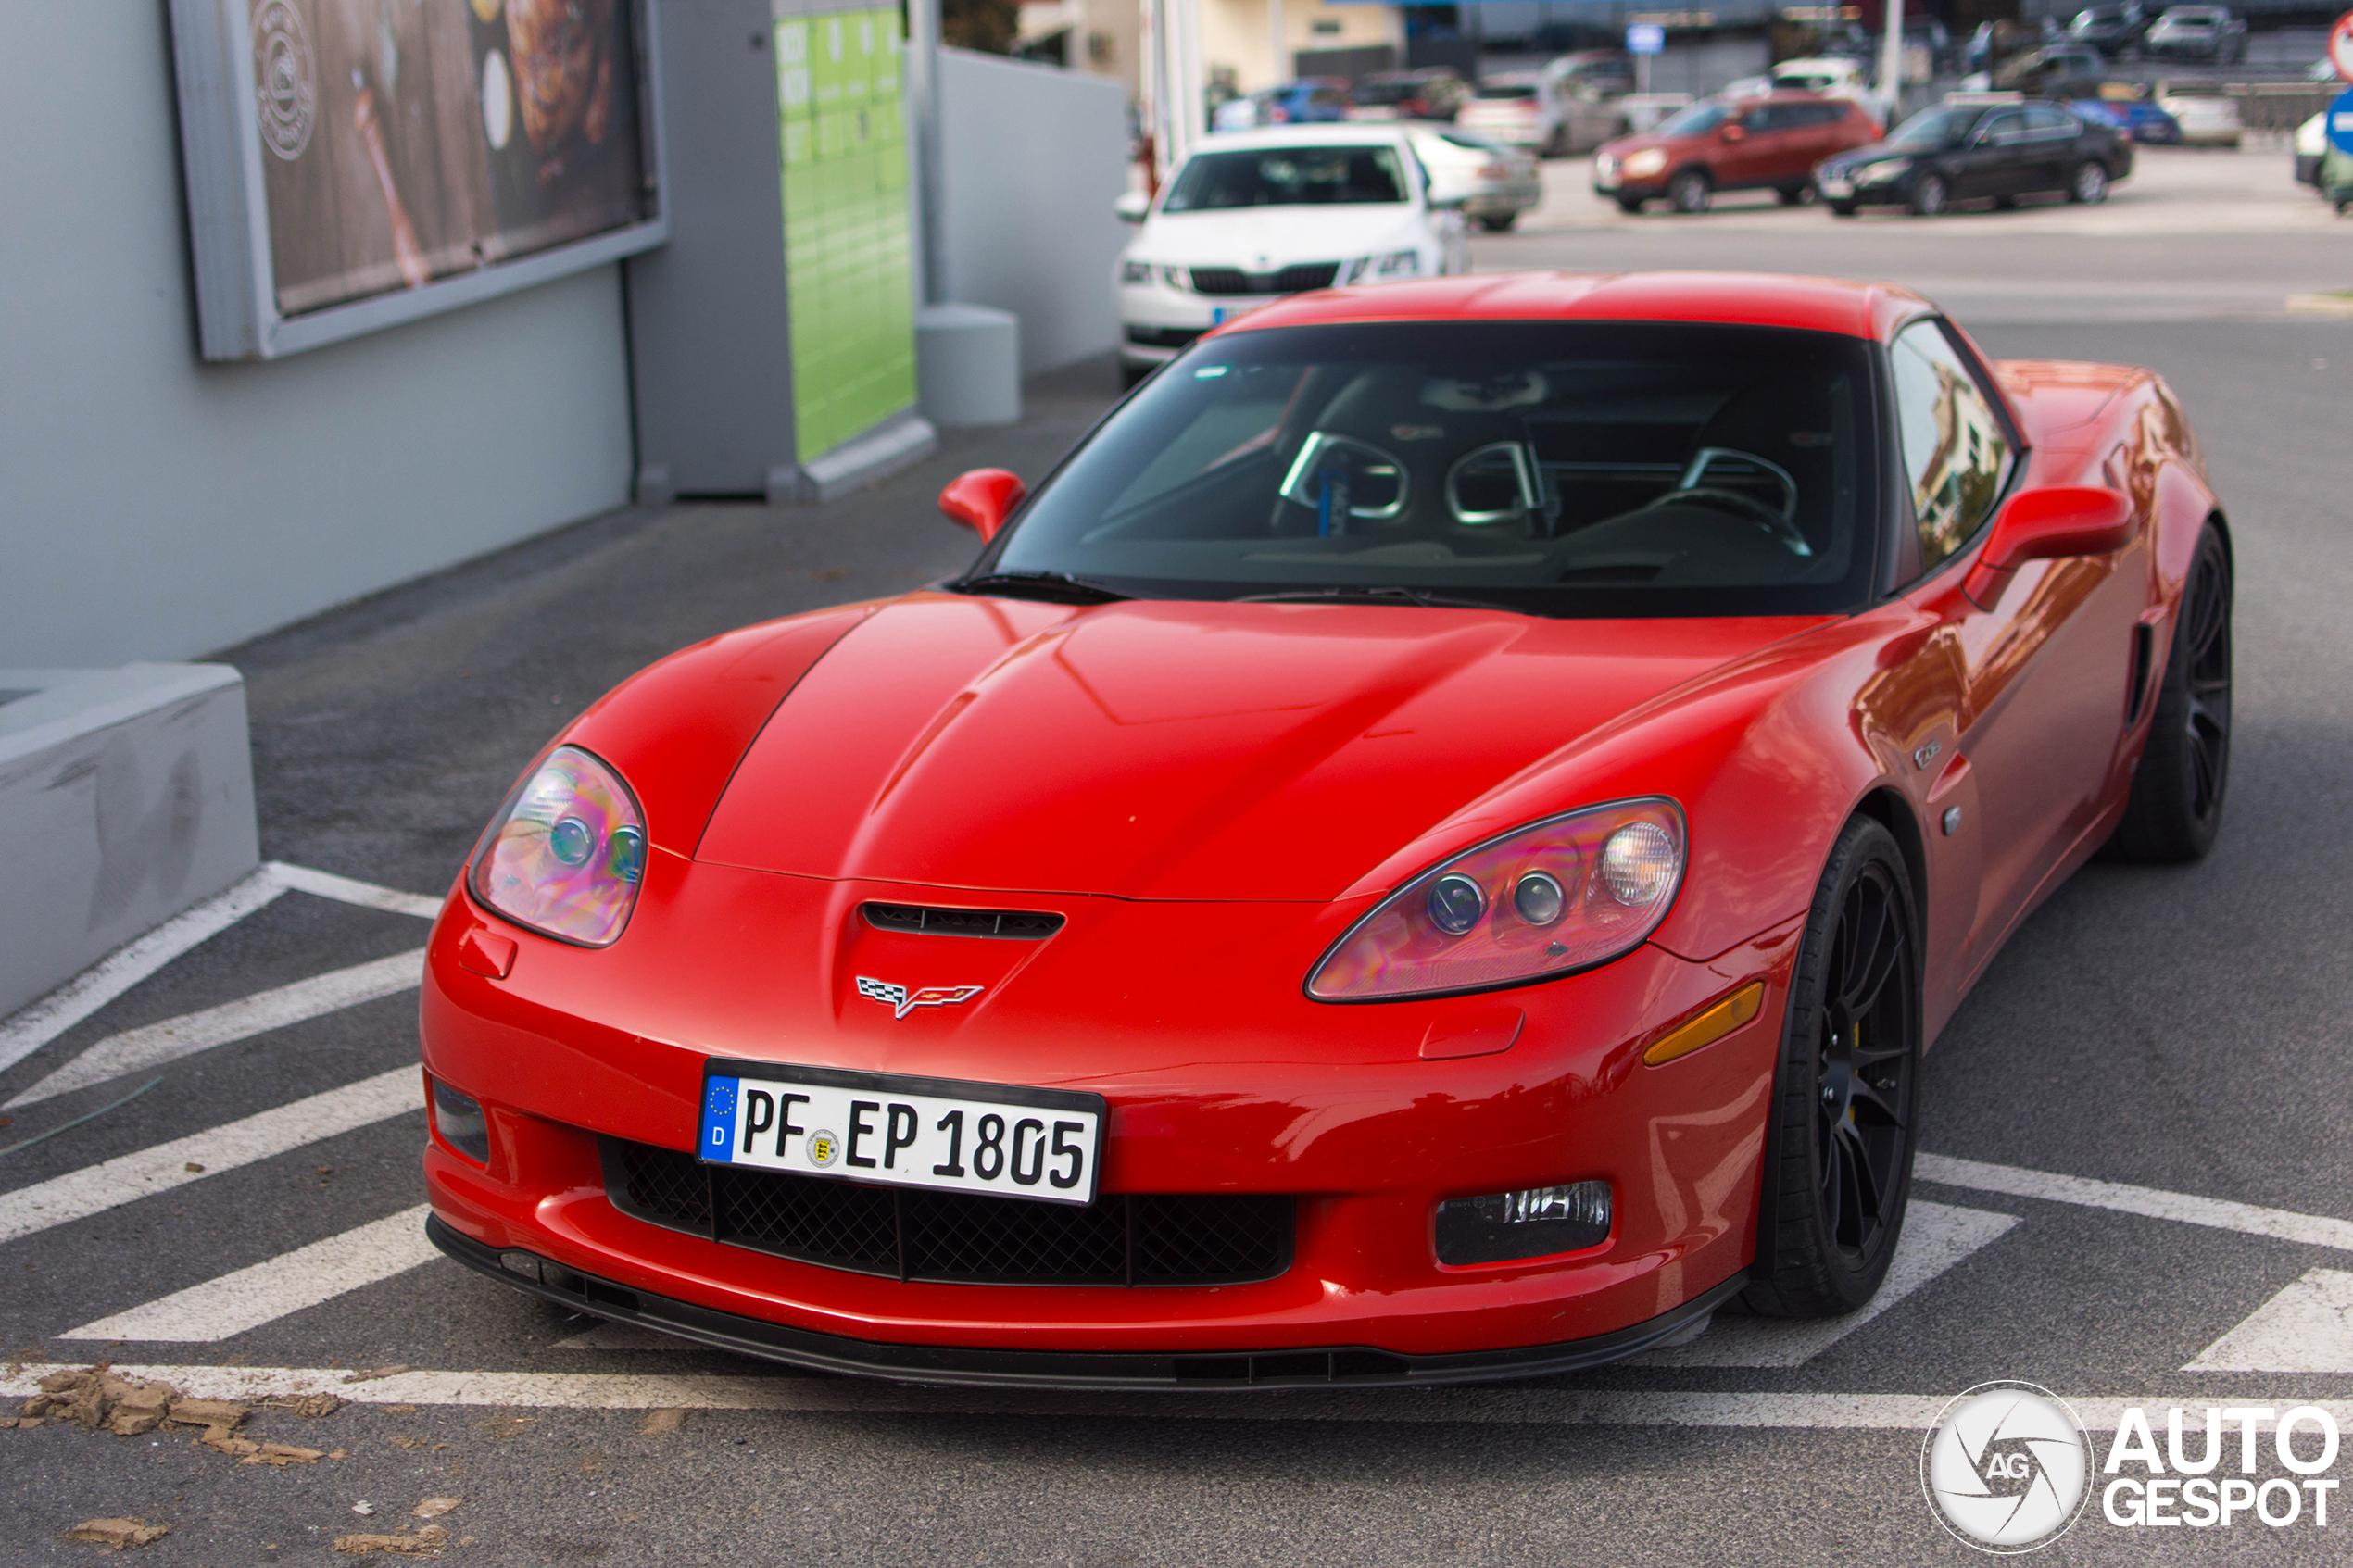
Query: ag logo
[(2006, 1467), (901, 1001)]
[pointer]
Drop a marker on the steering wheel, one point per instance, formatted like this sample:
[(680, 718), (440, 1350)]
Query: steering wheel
[(1746, 506)]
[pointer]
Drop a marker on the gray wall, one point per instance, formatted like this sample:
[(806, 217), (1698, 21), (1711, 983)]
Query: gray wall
[(153, 507), (1034, 158)]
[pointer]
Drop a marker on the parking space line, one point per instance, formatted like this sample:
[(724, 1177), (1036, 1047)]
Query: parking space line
[(348, 890), (1936, 1237), (2312, 1230), (41, 1021), (175, 1038), (2307, 1327), (1534, 1407), (277, 1286), (95, 1188)]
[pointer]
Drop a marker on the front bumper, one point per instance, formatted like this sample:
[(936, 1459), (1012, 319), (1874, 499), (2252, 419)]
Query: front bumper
[(1233, 1086), (1158, 322), (1321, 1366)]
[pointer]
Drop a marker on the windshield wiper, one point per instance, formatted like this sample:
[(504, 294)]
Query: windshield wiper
[(1378, 596), (1054, 587)]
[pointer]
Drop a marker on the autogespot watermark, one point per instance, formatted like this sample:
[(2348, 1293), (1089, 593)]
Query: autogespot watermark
[(2008, 1467)]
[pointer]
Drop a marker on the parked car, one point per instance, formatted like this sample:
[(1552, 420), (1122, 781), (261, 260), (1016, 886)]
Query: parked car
[(1315, 100), (1569, 106), (2311, 146), (2137, 117), (1724, 145), (2207, 119), (2056, 71), (1833, 76), (2197, 33), (1437, 93), (1491, 184), (1251, 216), (1977, 152), (2111, 30)]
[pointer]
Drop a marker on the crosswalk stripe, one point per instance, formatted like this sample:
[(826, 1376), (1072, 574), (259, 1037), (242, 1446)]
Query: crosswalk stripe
[(348, 890), (95, 1188), (2307, 1327), (1936, 1237), (272, 1289), (1911, 1412), (2312, 1230), (35, 1025), (176, 1037)]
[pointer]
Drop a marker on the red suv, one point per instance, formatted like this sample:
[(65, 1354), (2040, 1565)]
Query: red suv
[(1732, 145)]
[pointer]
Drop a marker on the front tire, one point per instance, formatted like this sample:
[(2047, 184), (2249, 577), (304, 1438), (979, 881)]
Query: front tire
[(1841, 209), (1689, 192), (1795, 195), (1499, 223), (1838, 1150), (1930, 196), (1630, 205), (2176, 806)]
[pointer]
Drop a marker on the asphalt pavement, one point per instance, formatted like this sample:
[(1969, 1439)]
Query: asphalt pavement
[(2141, 1190)]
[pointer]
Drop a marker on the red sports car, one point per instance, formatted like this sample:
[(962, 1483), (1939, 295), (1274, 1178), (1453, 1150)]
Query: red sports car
[(1430, 848)]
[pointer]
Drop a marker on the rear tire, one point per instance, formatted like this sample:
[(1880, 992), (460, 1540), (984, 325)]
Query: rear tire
[(1841, 209), (1930, 196), (2088, 184), (1795, 195), (1838, 1149), (2178, 791), (1499, 224), (1689, 192)]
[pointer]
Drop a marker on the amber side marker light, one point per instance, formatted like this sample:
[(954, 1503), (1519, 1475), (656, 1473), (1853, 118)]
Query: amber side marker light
[(1709, 1026)]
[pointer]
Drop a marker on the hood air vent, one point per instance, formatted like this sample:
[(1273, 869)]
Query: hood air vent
[(1017, 925)]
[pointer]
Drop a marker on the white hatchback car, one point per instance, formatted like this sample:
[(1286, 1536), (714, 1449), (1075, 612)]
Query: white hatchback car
[(1251, 217)]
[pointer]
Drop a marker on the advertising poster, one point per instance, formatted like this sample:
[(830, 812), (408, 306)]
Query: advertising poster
[(405, 141)]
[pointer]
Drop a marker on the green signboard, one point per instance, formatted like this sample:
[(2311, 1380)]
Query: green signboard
[(849, 284)]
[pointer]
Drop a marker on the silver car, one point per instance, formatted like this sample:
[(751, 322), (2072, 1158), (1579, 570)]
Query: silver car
[(1491, 184)]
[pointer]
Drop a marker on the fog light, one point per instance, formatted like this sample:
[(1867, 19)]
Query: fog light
[(458, 1118), (1533, 1224)]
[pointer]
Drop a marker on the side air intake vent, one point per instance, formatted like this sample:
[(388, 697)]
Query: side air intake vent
[(1017, 925)]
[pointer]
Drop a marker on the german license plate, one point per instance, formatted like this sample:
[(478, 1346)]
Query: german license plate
[(1002, 1139)]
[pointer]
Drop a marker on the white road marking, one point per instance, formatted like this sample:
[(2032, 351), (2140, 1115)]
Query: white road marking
[(1908, 1412), (2307, 1327), (175, 1038), (2312, 1230), (95, 1188), (1936, 1237), (624, 1337), (343, 889), (269, 1290), (39, 1023)]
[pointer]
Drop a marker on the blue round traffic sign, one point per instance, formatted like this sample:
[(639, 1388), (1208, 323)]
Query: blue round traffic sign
[(2341, 123)]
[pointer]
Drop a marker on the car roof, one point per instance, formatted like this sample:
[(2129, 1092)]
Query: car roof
[(1828, 305), (1327, 133)]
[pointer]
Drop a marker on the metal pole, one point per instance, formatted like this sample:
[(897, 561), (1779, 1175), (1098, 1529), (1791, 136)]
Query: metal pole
[(1274, 37), (1890, 69), (923, 94)]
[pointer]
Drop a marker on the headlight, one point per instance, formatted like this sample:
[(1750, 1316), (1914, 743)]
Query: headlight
[(1373, 269), (567, 854), (1886, 169), (1135, 271), (1647, 162), (1558, 896)]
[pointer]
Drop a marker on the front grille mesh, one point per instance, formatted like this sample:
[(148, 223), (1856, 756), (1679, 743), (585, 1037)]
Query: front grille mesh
[(1295, 278), (1142, 1238)]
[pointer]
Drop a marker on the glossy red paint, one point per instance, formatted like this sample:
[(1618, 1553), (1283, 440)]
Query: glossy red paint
[(982, 500), (1211, 794)]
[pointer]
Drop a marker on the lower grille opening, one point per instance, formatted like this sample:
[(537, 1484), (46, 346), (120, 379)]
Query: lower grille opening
[(1121, 1239)]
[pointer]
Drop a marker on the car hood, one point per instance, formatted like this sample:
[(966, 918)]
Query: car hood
[(1853, 157), (1175, 750), (1261, 239)]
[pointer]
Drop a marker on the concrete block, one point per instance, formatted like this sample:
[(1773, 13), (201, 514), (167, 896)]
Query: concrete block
[(126, 796), (968, 366)]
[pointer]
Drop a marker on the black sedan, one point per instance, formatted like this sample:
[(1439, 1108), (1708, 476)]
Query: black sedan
[(1977, 152)]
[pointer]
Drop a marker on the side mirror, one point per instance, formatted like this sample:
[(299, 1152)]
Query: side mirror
[(2046, 523), (1735, 132), (982, 500), (1132, 205)]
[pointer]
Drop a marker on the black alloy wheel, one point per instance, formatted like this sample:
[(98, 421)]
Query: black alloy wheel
[(2089, 183), (1930, 196), (1838, 1151), (2185, 774), (1689, 191)]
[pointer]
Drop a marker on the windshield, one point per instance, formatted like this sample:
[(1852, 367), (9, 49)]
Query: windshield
[(1694, 119), (1287, 177), (1933, 129), (1571, 468), (1508, 90)]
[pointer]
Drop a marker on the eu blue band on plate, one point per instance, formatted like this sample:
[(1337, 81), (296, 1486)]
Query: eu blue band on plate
[(719, 1118)]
